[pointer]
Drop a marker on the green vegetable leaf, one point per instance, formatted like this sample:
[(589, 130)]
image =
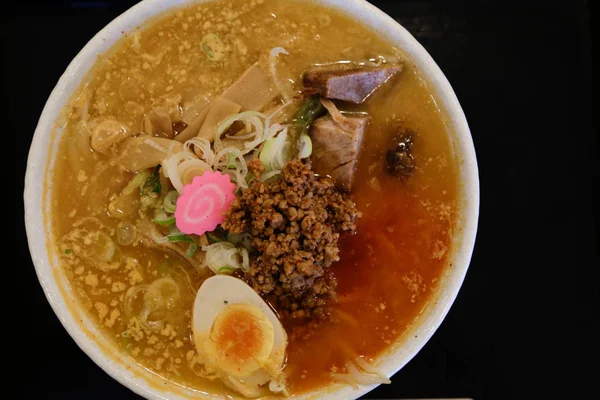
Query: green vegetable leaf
[(310, 110)]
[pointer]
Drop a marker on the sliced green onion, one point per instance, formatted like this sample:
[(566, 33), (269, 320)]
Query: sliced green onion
[(136, 182), (305, 146), (250, 177), (231, 161), (68, 251), (206, 49), (267, 153), (162, 218), (234, 238), (276, 152), (213, 238), (191, 250), (180, 238), (170, 201), (214, 47), (245, 239), (174, 231), (225, 270)]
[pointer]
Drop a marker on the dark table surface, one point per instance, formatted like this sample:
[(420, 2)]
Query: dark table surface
[(526, 320)]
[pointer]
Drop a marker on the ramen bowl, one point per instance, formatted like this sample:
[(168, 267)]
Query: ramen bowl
[(100, 349)]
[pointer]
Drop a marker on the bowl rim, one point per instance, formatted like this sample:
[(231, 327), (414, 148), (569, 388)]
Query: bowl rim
[(137, 15)]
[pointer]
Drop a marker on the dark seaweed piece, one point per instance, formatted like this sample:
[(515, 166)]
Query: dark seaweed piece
[(152, 184)]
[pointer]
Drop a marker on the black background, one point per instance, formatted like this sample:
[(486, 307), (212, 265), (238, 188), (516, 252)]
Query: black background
[(525, 323)]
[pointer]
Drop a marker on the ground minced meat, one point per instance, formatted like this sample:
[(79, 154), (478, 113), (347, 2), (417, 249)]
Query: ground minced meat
[(256, 167), (295, 223)]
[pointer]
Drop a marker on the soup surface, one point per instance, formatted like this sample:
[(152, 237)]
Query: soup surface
[(141, 287)]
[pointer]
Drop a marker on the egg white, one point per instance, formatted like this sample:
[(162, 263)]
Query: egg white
[(215, 294)]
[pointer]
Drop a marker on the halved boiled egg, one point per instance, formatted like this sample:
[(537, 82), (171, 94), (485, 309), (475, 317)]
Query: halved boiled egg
[(238, 337)]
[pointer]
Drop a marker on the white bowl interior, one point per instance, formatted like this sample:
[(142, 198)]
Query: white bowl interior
[(82, 329)]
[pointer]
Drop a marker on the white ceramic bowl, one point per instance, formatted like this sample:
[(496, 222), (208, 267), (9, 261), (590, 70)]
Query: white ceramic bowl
[(80, 327)]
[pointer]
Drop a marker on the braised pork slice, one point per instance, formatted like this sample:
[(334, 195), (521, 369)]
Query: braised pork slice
[(343, 82), (336, 144)]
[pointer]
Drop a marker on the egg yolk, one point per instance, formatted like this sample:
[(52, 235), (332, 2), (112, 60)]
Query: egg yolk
[(241, 339)]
